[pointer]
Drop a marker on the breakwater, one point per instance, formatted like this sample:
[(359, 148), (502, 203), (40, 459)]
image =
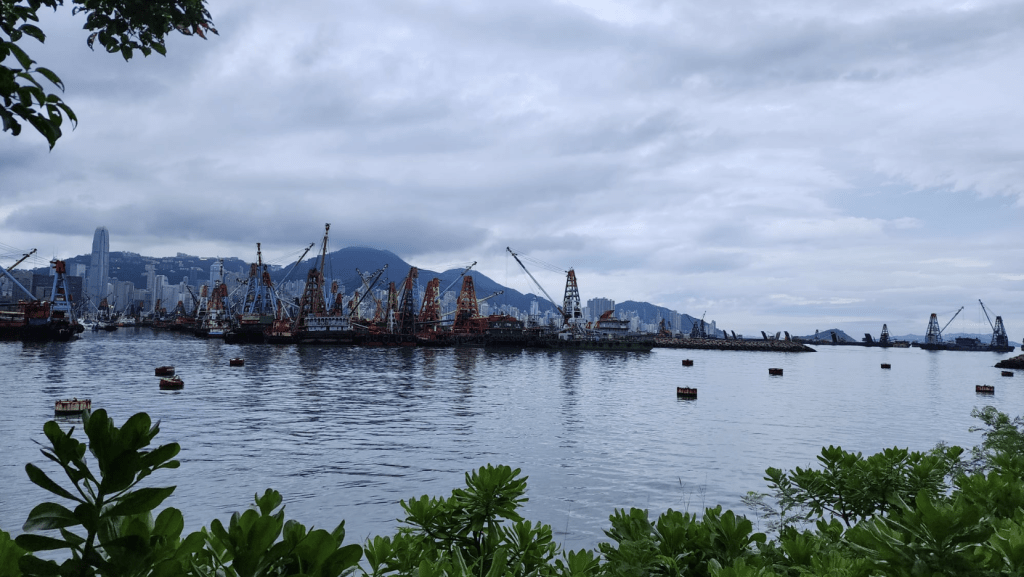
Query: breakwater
[(1016, 362), (734, 345)]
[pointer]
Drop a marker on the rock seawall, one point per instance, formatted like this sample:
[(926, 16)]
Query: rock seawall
[(730, 345), (1016, 362)]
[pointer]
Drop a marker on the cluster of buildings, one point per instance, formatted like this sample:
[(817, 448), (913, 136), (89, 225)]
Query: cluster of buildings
[(90, 284)]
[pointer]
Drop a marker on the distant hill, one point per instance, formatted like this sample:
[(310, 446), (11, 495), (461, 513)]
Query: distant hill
[(649, 313)]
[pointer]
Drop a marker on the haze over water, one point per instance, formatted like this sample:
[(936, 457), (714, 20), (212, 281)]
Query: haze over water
[(345, 433)]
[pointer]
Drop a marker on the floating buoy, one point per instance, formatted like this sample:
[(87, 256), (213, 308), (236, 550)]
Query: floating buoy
[(69, 407), (886, 366), (236, 362), (686, 392), (687, 363), (1007, 373), (164, 371), (777, 372), (987, 389), (172, 383)]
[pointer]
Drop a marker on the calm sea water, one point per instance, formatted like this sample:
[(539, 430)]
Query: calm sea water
[(345, 433)]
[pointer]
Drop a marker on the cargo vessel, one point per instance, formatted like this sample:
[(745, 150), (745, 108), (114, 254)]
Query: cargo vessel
[(933, 340), (607, 334), (39, 320)]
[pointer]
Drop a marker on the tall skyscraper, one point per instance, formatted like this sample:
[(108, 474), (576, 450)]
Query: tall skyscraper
[(599, 306), (99, 265)]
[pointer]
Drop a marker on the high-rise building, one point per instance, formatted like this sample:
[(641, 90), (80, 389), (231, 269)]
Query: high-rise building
[(599, 306), (99, 265)]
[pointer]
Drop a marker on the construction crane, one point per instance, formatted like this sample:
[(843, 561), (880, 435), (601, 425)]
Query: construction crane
[(538, 285), (697, 330), (934, 333), (21, 260), (999, 337)]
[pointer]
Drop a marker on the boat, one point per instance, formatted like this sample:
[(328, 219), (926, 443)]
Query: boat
[(567, 340), (260, 305), (933, 340), (71, 407), (171, 383), (686, 392), (236, 362), (884, 341), (164, 371), (608, 334), (38, 320), (316, 322)]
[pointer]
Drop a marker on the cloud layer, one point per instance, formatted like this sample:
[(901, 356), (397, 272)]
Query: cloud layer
[(781, 166)]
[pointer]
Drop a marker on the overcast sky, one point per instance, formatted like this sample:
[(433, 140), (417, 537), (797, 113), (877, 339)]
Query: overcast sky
[(783, 165)]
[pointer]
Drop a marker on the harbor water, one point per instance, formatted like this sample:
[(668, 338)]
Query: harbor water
[(346, 433)]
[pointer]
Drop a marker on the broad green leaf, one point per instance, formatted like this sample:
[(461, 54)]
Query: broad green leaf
[(316, 547), (32, 543), (33, 31), (37, 476), (49, 516), (169, 523), (23, 58), (343, 558), (139, 501)]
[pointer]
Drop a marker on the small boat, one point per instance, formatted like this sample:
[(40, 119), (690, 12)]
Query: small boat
[(777, 372), (687, 362), (686, 392), (164, 371), (171, 383), (886, 366), (70, 407), (1007, 373), (236, 362), (985, 389)]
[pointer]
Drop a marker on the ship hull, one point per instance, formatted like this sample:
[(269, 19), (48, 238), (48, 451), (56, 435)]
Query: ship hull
[(628, 345), (970, 348)]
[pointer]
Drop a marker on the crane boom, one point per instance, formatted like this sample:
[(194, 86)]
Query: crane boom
[(950, 320), (22, 259), (986, 315), (515, 256), (461, 274), (294, 266), (369, 285), (488, 297)]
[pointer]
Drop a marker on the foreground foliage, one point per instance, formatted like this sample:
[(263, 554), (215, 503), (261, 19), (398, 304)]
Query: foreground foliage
[(896, 513), (119, 26)]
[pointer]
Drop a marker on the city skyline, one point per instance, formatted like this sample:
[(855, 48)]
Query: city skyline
[(157, 287), (782, 166)]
